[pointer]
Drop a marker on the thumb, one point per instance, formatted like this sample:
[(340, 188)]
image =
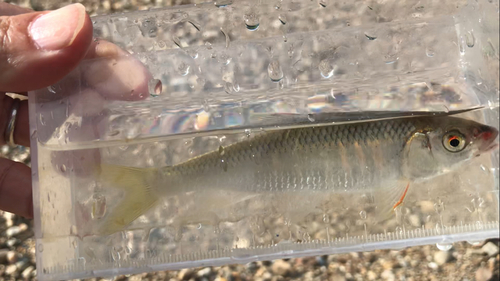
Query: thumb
[(38, 49)]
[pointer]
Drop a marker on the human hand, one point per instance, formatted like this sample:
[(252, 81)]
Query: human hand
[(37, 49)]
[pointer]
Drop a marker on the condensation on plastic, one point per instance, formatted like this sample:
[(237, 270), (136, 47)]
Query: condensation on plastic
[(219, 73)]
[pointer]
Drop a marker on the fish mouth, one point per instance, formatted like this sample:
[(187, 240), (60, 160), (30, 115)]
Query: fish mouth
[(488, 137)]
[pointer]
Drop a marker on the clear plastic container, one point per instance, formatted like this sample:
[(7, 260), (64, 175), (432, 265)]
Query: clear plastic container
[(194, 78)]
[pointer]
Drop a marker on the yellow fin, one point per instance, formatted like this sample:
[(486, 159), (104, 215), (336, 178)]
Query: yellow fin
[(139, 196)]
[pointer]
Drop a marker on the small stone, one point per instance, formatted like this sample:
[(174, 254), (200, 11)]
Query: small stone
[(27, 272), (12, 242), (483, 274), (442, 257), (266, 276), (337, 277), (388, 275), (433, 265), (185, 274), (204, 272), (15, 230), (260, 272), (427, 206), (415, 220), (490, 248), (281, 267), (9, 270), (372, 275)]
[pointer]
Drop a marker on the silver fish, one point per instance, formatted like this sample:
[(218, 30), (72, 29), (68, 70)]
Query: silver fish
[(383, 155)]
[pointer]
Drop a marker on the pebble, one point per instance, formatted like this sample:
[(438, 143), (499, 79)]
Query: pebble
[(433, 265), (372, 275), (9, 270), (281, 267), (337, 277), (27, 272), (415, 220), (442, 257), (427, 206), (490, 248), (185, 274), (388, 275), (15, 230), (204, 272), (483, 274), (12, 242)]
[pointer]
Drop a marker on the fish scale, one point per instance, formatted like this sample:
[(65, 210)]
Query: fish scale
[(271, 160)]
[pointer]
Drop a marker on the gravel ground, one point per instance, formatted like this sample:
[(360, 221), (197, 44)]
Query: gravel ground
[(463, 261)]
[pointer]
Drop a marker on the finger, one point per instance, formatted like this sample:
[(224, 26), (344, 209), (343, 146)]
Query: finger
[(15, 188), (40, 48), (115, 74), (10, 10), (21, 128)]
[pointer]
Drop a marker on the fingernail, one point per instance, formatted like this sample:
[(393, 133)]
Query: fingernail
[(57, 29)]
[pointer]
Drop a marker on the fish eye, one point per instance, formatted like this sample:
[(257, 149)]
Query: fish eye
[(454, 141)]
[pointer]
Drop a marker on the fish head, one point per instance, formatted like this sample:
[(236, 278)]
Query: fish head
[(453, 141)]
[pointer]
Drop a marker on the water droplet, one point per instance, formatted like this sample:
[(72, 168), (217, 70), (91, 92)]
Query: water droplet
[(390, 59), (40, 247), (208, 45), (98, 206), (155, 87), (429, 51), (281, 84), (52, 89), (42, 120), (282, 18), (461, 45), (444, 246), (226, 35), (183, 69), (399, 230), (362, 214), (274, 71), (228, 87), (115, 254), (326, 218), (322, 3), (74, 243), (236, 87), (370, 37), (195, 24), (221, 150), (199, 226), (63, 168), (73, 230), (310, 117), (193, 54), (177, 41), (248, 132), (223, 3), (474, 242), (326, 69), (470, 40), (251, 21), (216, 229)]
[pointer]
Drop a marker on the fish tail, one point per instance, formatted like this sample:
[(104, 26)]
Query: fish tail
[(139, 195)]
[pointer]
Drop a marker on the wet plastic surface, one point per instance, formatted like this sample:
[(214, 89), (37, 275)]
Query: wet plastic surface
[(218, 74)]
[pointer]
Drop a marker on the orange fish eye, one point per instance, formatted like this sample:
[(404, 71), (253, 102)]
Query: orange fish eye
[(454, 141)]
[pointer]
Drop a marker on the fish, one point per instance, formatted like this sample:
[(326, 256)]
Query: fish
[(384, 156)]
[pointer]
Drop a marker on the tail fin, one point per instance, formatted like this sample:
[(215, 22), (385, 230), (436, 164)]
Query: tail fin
[(139, 196)]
